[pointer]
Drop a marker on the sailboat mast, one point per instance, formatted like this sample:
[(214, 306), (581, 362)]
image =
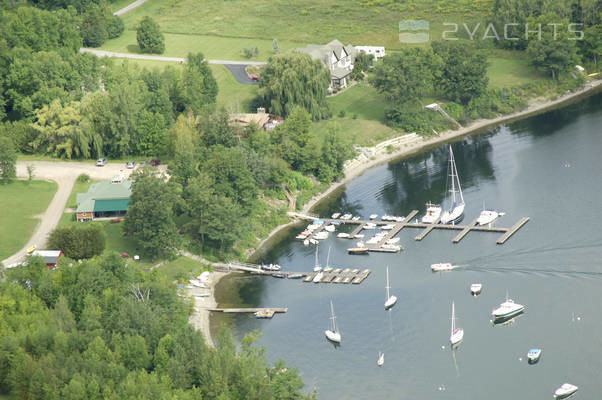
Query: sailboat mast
[(316, 257), (328, 258), (334, 325), (453, 318), (387, 287), (452, 167)]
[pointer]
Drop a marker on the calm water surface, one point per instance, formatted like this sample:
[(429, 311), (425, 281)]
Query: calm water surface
[(547, 167)]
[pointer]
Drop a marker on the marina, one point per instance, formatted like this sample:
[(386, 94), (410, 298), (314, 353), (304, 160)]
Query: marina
[(507, 233)]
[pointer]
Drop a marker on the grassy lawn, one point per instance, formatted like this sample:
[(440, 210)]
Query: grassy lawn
[(511, 72), (182, 269), (363, 132), (360, 100), (119, 4), (221, 29), (232, 95), (20, 202)]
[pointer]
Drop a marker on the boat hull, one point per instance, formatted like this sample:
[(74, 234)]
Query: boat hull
[(456, 337), (565, 391), (391, 301), (456, 215), (333, 336)]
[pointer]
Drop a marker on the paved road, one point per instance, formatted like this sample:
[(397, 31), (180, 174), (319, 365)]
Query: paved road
[(129, 7), (64, 174), (239, 73), (104, 53)]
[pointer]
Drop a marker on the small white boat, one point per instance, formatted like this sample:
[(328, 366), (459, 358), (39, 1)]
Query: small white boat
[(457, 334), (296, 275), (356, 218), (333, 334), (440, 267), (373, 216), (475, 289), (507, 310), (335, 215), (387, 227), (321, 235), (393, 240), (391, 300), (357, 250), (393, 247), (318, 277), (487, 216), (533, 355), (433, 212), (329, 228), (369, 226), (302, 235), (398, 219), (346, 217), (359, 236), (343, 235), (565, 391), (306, 242), (381, 359), (313, 241), (386, 217)]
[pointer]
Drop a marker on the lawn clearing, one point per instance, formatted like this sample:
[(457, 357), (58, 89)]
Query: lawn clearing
[(362, 132), (360, 100), (511, 72), (182, 269), (20, 201), (233, 96)]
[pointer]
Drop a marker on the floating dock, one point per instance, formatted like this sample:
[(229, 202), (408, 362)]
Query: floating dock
[(337, 275), (250, 310), (426, 229)]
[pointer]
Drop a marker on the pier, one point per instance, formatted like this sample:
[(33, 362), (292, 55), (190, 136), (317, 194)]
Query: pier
[(250, 310), (337, 275), (426, 229)]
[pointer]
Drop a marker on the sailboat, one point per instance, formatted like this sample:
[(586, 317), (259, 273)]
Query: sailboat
[(391, 300), (381, 359), (456, 211), (333, 335), (327, 267), (317, 267), (457, 334)]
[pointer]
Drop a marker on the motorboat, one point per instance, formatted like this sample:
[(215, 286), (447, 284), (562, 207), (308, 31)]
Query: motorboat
[(346, 217), (296, 275), (369, 226), (387, 227), (373, 216), (386, 217), (391, 300), (565, 391), (358, 236), (457, 334), (318, 277), (381, 359), (475, 289), (335, 215), (313, 241), (398, 219), (533, 355), (440, 267), (279, 275), (456, 211), (271, 267), (433, 212), (357, 250), (356, 218), (306, 242), (302, 235), (487, 216), (333, 334), (343, 235), (329, 228), (321, 235), (393, 247), (264, 313), (507, 310)]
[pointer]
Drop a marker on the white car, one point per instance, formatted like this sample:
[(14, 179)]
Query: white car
[(101, 162)]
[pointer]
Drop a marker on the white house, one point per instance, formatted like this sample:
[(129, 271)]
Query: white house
[(337, 57), (377, 51)]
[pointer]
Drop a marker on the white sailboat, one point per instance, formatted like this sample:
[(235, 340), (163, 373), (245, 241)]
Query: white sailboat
[(327, 267), (381, 359), (391, 300), (333, 335), (456, 211), (457, 334), (317, 267)]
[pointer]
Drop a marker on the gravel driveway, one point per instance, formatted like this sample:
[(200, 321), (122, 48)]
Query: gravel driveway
[(64, 174)]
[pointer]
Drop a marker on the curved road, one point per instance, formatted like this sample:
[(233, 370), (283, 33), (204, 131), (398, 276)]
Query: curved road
[(64, 174)]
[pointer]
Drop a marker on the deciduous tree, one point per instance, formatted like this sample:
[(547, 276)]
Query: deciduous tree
[(149, 36)]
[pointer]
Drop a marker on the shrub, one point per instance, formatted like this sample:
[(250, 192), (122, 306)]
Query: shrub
[(342, 113), (115, 27), (78, 241), (83, 178)]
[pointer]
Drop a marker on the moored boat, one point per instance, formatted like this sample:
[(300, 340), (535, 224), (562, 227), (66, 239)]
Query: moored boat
[(318, 277), (533, 355), (296, 275), (433, 212), (457, 334), (346, 217), (381, 359), (507, 310), (336, 215), (343, 235), (333, 334), (373, 216), (329, 228), (357, 250), (565, 391), (391, 300), (264, 313), (475, 289), (487, 216), (456, 211)]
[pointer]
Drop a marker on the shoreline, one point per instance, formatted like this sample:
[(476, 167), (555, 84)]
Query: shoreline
[(200, 319), (352, 172)]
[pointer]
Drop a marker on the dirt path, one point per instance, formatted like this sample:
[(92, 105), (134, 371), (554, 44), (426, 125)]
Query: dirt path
[(64, 174), (129, 7), (105, 53)]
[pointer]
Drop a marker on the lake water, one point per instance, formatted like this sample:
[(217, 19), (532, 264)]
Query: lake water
[(548, 167)]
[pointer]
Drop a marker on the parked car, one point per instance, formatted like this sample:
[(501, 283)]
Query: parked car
[(155, 163), (254, 77), (130, 164), (101, 162)]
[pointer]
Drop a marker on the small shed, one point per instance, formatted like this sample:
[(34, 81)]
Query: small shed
[(51, 257)]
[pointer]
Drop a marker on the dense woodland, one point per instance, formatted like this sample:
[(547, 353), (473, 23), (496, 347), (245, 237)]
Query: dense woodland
[(103, 329)]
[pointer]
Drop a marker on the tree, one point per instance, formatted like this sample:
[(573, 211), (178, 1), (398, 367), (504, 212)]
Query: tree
[(290, 80), (150, 217), (464, 71), (199, 85), (115, 26), (8, 159), (275, 46), (363, 62), (336, 149), (30, 171), (592, 43), (405, 76), (94, 27), (78, 241), (554, 52), (149, 36), (151, 133)]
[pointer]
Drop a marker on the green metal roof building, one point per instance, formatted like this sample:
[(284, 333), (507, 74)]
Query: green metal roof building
[(104, 199)]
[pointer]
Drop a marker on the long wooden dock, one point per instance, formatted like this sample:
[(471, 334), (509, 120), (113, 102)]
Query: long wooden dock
[(250, 309), (426, 228)]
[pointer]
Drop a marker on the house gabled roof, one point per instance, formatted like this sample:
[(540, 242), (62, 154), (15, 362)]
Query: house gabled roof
[(323, 52), (103, 191)]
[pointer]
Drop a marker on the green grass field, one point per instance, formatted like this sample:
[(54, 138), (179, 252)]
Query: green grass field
[(182, 269), (511, 72), (20, 202)]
